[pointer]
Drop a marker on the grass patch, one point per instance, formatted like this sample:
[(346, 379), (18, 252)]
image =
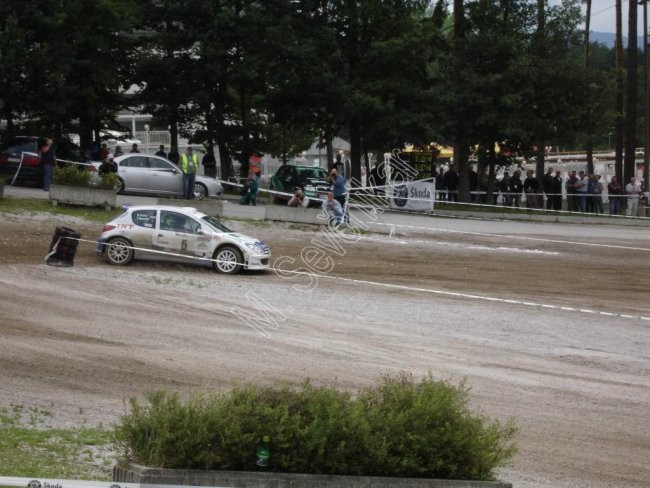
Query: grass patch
[(33, 206), (28, 448)]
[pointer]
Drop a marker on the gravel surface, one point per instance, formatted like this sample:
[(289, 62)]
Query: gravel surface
[(484, 308)]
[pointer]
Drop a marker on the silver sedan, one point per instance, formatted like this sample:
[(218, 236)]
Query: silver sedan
[(148, 174)]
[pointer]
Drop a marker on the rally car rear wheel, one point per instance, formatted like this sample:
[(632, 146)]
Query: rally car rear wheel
[(119, 251), (228, 260)]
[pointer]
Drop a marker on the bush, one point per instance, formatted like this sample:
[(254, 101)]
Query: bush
[(70, 175), (401, 427), (108, 181)]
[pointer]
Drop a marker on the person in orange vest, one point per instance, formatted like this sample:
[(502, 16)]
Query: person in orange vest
[(255, 164), (189, 167)]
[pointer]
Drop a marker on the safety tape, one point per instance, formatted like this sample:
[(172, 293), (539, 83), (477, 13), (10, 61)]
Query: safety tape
[(22, 156), (469, 296), (16, 482)]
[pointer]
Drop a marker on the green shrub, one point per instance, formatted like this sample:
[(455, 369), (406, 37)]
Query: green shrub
[(70, 175), (108, 181), (401, 427)]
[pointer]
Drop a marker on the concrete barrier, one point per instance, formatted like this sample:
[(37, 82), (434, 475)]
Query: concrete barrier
[(208, 206), (134, 473), (81, 195), (298, 215)]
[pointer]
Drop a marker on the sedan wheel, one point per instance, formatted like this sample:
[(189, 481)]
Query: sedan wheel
[(119, 186), (228, 260), (119, 251), (200, 191)]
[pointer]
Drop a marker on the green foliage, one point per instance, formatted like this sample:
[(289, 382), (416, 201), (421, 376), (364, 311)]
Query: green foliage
[(401, 427), (70, 175), (108, 181)]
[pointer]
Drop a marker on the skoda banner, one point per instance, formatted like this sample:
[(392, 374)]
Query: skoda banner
[(414, 195)]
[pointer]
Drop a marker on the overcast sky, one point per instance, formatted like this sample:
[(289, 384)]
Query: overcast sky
[(603, 16)]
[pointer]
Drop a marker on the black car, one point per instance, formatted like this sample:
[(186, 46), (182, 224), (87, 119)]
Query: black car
[(25, 148), (311, 179)]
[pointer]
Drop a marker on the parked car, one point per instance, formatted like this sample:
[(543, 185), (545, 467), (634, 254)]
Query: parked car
[(179, 234), (148, 174), (312, 180), (26, 147)]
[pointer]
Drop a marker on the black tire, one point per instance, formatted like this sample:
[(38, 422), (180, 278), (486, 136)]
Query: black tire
[(228, 260), (119, 251), (119, 186), (200, 191)]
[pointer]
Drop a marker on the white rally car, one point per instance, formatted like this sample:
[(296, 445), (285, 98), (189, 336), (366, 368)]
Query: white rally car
[(179, 233)]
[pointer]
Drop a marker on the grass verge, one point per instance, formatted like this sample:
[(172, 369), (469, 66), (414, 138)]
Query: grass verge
[(33, 206), (28, 448)]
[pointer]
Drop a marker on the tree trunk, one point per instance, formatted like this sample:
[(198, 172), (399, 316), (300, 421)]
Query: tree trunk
[(619, 121), (355, 150), (629, 167), (590, 130), (461, 147)]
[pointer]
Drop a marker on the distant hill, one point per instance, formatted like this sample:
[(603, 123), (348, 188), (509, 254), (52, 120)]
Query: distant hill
[(609, 39)]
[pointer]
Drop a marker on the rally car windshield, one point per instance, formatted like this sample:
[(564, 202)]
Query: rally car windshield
[(214, 223)]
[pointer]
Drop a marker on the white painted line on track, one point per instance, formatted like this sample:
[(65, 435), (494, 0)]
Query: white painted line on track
[(470, 296)]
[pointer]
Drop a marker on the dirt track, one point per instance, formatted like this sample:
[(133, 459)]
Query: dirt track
[(84, 338)]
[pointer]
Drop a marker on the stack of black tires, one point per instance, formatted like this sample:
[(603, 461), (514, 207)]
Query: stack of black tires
[(63, 247)]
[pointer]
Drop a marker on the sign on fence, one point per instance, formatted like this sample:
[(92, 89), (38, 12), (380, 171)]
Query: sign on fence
[(414, 195)]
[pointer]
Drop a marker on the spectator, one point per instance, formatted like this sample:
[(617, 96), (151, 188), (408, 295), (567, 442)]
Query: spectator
[(134, 148), (189, 167), (547, 184), (298, 199), (504, 188), (338, 187), (209, 164), (581, 191), (633, 191), (597, 195), (161, 151), (440, 186), (118, 151), (103, 152), (377, 178), (451, 182), (572, 192), (556, 191), (333, 209), (249, 191), (530, 189), (48, 161), (255, 164), (615, 194), (516, 187), (473, 186), (108, 166)]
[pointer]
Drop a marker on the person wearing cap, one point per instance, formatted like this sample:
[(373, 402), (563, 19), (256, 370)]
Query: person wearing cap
[(108, 166), (189, 166)]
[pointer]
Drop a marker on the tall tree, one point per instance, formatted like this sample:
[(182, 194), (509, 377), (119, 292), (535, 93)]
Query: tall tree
[(620, 110), (629, 166), (587, 46)]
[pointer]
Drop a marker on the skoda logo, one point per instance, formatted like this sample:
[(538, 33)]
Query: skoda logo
[(400, 195)]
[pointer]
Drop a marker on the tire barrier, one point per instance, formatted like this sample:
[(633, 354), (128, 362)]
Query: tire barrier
[(63, 247)]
